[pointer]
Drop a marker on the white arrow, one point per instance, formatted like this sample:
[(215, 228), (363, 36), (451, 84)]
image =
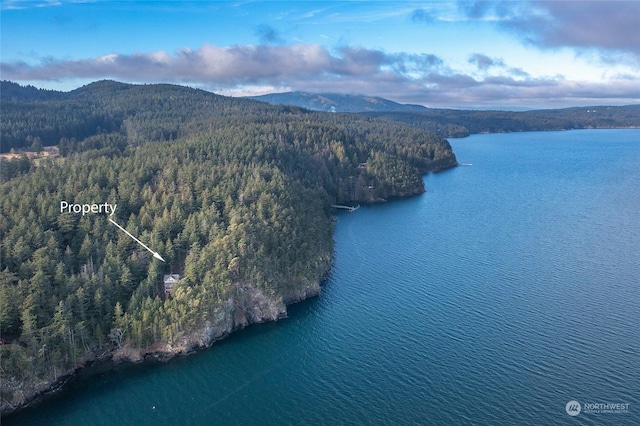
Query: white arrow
[(156, 255)]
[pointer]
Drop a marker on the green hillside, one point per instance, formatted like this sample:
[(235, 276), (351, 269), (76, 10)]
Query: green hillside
[(234, 194), (460, 123), (336, 102)]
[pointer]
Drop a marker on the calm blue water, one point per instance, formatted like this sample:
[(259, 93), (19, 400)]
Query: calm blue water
[(507, 290)]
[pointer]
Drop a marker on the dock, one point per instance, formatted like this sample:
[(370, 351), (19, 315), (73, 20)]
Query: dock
[(351, 209)]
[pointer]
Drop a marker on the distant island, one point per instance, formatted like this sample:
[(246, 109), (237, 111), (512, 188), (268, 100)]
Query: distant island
[(451, 123), (235, 195)]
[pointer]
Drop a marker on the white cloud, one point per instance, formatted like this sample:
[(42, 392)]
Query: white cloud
[(606, 26), (403, 77), (28, 4)]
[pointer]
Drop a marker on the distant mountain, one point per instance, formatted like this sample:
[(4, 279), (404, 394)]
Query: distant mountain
[(335, 102)]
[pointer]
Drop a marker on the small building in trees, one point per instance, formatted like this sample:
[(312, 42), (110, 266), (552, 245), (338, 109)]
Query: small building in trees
[(169, 281)]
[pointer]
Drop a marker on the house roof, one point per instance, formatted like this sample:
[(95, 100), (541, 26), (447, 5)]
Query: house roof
[(172, 278)]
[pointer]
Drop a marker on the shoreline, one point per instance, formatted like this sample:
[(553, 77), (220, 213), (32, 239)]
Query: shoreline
[(198, 340), (192, 343), (122, 356), (542, 130)]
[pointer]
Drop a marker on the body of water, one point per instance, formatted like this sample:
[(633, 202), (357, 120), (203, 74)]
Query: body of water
[(509, 289)]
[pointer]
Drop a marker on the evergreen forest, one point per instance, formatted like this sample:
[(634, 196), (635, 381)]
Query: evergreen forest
[(236, 195), (456, 123), (451, 123)]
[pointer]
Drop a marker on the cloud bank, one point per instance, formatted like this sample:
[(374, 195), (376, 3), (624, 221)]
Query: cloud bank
[(600, 25), (607, 31), (228, 66), (416, 78)]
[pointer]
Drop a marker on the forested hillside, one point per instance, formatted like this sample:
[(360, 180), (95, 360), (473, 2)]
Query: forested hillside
[(234, 194), (460, 123), (336, 102)]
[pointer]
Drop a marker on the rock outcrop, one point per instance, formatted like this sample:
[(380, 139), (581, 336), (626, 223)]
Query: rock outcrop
[(249, 305)]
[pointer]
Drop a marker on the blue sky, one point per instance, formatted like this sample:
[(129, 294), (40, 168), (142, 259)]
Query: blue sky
[(461, 54)]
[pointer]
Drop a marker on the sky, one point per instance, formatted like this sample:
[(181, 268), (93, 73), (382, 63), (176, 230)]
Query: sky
[(441, 54)]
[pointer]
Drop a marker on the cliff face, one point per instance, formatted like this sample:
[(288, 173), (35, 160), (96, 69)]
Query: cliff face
[(248, 305)]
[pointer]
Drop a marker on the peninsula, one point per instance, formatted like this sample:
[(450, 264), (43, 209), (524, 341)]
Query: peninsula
[(234, 194)]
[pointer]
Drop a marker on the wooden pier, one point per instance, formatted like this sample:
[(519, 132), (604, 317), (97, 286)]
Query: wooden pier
[(351, 209)]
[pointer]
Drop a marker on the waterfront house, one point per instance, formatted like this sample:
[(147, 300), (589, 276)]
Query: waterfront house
[(169, 281)]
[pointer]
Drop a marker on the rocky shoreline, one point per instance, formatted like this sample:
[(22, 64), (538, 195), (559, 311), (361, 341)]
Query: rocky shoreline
[(251, 306)]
